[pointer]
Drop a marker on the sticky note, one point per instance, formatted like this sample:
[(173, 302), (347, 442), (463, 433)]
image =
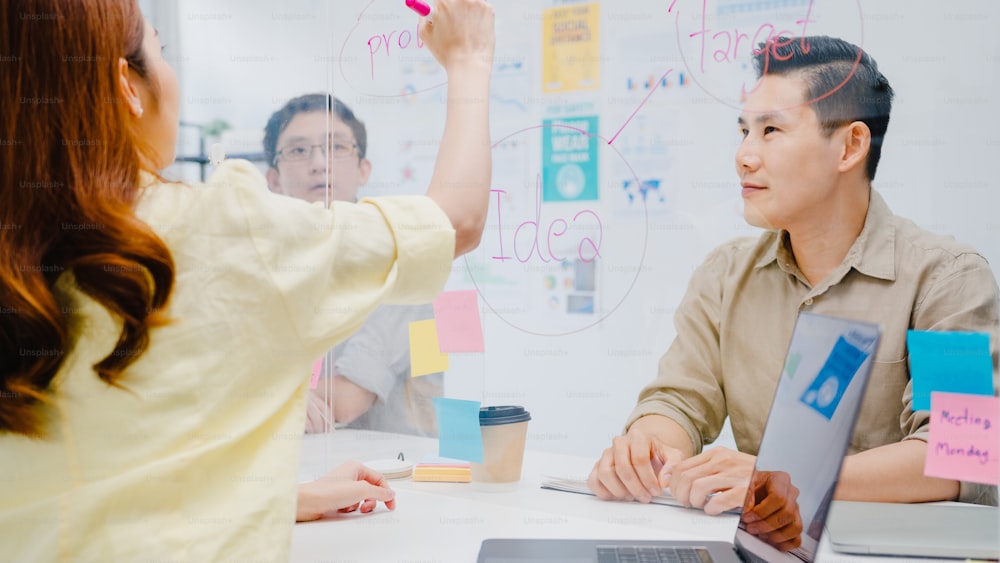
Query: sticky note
[(955, 362), (964, 440), (826, 390), (317, 368), (425, 355), (435, 468), (459, 328), (459, 436)]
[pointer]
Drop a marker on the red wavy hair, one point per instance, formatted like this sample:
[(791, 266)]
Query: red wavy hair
[(69, 176)]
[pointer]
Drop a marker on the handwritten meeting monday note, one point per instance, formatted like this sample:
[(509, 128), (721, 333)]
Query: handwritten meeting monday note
[(964, 439)]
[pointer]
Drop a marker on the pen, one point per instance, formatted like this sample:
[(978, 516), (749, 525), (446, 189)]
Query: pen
[(422, 8)]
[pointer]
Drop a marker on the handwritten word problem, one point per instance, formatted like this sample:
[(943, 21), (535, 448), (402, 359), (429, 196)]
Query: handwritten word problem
[(396, 40)]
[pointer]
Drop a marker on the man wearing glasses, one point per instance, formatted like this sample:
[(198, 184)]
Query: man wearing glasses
[(315, 147)]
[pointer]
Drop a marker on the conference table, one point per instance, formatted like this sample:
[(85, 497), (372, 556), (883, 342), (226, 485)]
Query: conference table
[(446, 522)]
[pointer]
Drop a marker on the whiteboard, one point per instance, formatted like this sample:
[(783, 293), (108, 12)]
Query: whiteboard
[(577, 292)]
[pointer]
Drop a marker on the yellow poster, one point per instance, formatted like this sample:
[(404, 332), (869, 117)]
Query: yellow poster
[(571, 48)]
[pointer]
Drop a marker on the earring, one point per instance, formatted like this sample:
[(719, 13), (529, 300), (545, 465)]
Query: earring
[(138, 111)]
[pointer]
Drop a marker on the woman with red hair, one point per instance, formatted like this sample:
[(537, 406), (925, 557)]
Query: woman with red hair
[(154, 335)]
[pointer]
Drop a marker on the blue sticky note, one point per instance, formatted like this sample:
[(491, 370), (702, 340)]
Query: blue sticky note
[(459, 436), (826, 390), (952, 362)]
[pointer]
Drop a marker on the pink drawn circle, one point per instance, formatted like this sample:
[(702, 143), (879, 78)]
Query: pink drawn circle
[(347, 80), (642, 255), (693, 76)]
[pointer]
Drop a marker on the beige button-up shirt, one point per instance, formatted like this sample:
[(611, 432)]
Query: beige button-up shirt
[(735, 322)]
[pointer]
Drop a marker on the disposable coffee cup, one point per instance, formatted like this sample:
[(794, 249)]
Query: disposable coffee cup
[(504, 429)]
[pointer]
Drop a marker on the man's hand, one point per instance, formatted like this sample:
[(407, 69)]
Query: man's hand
[(715, 480), (350, 487), (318, 416), (629, 469), (460, 32), (772, 510)]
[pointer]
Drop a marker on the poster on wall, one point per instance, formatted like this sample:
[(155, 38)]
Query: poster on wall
[(569, 159), (571, 48)]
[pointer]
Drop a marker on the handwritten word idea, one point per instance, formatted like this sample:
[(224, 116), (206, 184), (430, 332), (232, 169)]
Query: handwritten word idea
[(587, 250)]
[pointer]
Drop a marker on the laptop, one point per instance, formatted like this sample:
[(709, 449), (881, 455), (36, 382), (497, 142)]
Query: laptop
[(808, 429), (950, 530)]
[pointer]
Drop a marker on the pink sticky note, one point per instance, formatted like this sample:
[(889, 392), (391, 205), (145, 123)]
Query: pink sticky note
[(459, 328), (317, 368), (964, 439)]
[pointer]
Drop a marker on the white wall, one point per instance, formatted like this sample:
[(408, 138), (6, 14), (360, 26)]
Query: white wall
[(579, 373)]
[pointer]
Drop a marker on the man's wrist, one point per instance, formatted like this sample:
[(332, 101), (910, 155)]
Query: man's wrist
[(665, 430)]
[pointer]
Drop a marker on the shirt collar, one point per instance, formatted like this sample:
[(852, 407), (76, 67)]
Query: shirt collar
[(872, 254)]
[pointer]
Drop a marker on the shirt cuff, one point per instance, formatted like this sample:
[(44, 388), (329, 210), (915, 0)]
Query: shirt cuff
[(425, 247), (655, 408)]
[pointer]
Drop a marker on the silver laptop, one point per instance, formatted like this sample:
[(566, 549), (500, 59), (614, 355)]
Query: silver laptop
[(806, 437), (923, 530)]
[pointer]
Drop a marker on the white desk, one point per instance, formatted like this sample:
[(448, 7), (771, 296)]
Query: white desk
[(445, 522)]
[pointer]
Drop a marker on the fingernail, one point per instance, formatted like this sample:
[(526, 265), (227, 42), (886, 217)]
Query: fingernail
[(653, 491)]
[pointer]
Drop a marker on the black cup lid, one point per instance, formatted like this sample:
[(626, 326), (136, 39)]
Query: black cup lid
[(503, 414)]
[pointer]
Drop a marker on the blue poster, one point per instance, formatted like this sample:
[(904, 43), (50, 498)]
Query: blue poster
[(569, 159), (825, 392)]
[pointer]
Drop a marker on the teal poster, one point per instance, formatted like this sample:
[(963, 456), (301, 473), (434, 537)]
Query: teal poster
[(569, 159)]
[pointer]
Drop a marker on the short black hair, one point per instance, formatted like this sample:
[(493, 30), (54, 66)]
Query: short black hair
[(843, 83), (307, 103)]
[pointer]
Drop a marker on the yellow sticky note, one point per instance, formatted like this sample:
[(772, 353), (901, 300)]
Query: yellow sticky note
[(425, 354)]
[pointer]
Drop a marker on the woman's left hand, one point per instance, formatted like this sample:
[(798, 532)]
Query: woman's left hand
[(347, 488)]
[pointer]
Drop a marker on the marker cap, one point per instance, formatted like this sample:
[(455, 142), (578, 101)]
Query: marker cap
[(419, 7)]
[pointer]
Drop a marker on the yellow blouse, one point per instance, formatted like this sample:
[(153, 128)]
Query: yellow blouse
[(197, 459)]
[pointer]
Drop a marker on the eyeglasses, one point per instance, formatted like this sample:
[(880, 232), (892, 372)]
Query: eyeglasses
[(300, 152)]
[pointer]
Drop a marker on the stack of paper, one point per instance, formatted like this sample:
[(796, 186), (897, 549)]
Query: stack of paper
[(442, 469), (578, 486)]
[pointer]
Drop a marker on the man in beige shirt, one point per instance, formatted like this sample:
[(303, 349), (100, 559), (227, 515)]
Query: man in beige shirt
[(812, 131)]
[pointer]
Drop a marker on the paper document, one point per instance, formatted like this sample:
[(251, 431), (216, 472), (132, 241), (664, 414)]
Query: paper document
[(577, 486)]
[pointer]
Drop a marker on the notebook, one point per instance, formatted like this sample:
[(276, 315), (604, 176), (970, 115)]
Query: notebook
[(808, 429), (923, 530)]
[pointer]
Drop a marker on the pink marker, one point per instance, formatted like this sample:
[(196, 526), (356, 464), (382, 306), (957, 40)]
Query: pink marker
[(422, 8)]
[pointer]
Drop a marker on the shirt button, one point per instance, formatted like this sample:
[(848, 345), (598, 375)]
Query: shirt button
[(809, 302)]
